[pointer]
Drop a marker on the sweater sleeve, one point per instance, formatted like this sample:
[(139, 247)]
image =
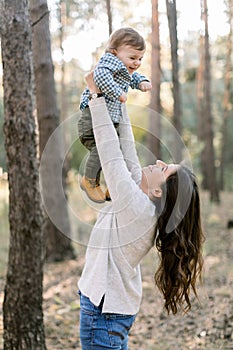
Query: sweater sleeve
[(127, 143), (116, 173)]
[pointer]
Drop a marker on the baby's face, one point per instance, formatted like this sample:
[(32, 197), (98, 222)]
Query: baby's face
[(130, 56)]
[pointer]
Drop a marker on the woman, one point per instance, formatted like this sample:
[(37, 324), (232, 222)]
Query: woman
[(157, 205)]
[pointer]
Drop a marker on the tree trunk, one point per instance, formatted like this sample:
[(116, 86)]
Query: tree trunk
[(62, 15), (62, 25), (200, 112), (109, 13), (227, 94), (172, 23), (57, 226), (154, 135), (22, 307), (209, 157)]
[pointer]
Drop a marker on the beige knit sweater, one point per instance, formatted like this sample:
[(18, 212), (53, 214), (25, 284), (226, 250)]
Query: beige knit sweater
[(124, 231)]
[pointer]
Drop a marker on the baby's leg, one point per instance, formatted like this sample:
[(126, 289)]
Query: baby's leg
[(85, 130), (86, 136), (92, 166), (90, 180)]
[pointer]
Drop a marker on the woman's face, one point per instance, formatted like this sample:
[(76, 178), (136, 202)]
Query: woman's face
[(153, 176)]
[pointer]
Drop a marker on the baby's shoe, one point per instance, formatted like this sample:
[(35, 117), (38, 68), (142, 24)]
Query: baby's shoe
[(92, 189), (107, 196)]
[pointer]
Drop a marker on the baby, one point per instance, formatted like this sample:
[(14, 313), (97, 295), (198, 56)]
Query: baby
[(114, 74)]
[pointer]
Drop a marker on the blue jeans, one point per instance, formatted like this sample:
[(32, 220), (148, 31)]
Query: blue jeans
[(99, 330)]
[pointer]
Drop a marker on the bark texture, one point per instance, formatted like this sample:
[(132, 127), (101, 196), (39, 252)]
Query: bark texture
[(57, 225), (22, 308)]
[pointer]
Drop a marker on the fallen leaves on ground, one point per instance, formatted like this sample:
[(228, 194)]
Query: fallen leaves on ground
[(208, 326)]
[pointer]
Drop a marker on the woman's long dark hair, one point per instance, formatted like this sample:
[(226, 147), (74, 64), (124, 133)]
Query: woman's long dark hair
[(179, 240)]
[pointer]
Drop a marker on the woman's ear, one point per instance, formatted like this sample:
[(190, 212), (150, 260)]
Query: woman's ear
[(158, 193)]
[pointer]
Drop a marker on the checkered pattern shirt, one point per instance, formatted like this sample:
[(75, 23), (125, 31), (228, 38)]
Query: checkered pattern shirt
[(112, 78)]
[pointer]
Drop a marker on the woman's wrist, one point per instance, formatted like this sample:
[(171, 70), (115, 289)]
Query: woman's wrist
[(95, 95)]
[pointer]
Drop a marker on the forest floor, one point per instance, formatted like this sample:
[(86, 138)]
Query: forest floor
[(208, 326)]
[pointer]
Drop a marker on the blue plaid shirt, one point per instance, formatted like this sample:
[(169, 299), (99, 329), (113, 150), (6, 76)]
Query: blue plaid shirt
[(112, 78)]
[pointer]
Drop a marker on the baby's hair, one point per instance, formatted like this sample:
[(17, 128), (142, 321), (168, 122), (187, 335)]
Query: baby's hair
[(125, 36)]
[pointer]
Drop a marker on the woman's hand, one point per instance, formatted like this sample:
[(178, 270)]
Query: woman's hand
[(89, 79)]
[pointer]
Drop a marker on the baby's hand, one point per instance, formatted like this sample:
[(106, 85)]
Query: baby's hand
[(123, 97), (145, 86)]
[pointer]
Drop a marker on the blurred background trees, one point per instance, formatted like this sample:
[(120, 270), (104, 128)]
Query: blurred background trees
[(191, 73), (189, 84), (58, 246), (154, 143), (176, 114), (184, 78), (227, 99), (205, 118)]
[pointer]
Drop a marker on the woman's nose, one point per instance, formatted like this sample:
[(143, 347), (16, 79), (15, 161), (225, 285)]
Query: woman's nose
[(160, 163)]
